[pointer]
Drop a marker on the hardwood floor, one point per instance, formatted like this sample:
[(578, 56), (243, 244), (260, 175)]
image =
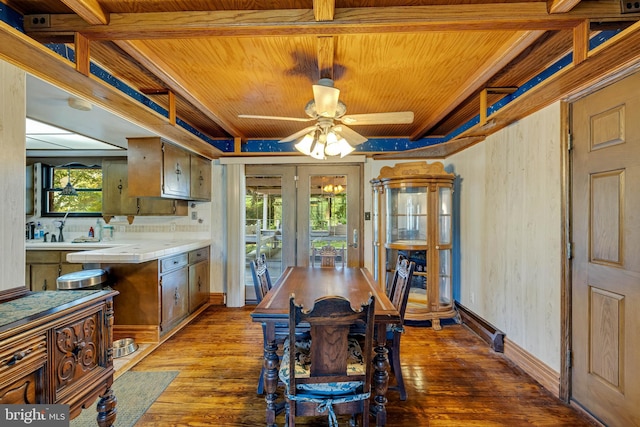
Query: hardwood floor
[(452, 377)]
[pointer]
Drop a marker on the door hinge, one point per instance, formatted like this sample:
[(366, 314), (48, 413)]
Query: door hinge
[(569, 250), (569, 142), (569, 359)]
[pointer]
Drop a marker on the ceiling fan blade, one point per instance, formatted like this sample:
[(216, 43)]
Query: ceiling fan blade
[(391, 118), (325, 97), (353, 137), (291, 119), (298, 134)]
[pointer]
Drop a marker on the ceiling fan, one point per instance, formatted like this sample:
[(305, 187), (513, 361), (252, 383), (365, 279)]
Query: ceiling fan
[(330, 136)]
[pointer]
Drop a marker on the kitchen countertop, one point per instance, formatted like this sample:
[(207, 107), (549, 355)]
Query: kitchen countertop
[(70, 246), (126, 252)]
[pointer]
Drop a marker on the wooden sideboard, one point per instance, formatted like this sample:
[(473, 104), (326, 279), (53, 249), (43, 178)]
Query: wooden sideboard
[(56, 347)]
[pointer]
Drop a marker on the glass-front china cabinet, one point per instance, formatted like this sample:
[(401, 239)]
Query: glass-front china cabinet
[(412, 216)]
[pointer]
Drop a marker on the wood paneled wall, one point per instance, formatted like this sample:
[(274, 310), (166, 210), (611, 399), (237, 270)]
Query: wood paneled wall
[(12, 175), (510, 232)]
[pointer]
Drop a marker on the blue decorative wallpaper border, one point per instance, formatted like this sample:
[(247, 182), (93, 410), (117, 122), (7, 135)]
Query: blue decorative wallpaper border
[(13, 18)]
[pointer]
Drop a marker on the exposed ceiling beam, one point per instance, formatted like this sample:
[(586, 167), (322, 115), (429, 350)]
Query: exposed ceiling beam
[(158, 67), (323, 10), (89, 10), (620, 55), (499, 60), (561, 6), (37, 60), (325, 56), (464, 17)]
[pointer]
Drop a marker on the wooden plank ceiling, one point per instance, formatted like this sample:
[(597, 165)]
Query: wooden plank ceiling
[(219, 59)]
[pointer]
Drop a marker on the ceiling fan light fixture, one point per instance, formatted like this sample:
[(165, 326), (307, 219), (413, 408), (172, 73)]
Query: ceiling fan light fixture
[(304, 146), (326, 99), (345, 147), (317, 150)]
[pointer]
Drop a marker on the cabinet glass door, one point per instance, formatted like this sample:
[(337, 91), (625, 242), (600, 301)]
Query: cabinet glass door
[(407, 215)]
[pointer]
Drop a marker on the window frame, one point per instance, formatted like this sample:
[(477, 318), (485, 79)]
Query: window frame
[(48, 189)]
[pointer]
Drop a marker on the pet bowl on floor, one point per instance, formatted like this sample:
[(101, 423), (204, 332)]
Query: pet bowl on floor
[(124, 347)]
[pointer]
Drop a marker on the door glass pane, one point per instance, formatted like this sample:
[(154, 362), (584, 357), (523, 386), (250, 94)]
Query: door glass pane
[(327, 216), (263, 224)]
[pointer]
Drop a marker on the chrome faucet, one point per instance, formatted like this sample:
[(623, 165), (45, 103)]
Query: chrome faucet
[(60, 227)]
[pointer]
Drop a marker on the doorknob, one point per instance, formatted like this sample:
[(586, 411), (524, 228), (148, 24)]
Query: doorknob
[(355, 238)]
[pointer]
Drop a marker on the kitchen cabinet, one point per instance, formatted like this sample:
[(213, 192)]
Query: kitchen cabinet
[(412, 213), (157, 295), (43, 267), (200, 178), (198, 278), (117, 200), (174, 285), (62, 354), (161, 169)]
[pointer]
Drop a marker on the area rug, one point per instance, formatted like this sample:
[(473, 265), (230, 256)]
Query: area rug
[(135, 391)]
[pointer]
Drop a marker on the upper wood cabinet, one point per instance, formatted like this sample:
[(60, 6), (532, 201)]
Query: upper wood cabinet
[(158, 168), (200, 178), (117, 199)]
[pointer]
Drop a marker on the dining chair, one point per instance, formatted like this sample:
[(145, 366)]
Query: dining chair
[(328, 255), (398, 292), (328, 373), (261, 278), (262, 285)]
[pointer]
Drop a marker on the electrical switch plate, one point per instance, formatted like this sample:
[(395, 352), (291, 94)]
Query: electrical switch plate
[(194, 215)]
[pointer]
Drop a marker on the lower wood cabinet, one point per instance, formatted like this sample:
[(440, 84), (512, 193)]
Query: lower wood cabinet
[(62, 355), (174, 285), (155, 296), (43, 267), (198, 278)]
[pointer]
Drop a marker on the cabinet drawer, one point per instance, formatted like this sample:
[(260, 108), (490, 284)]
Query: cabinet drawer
[(42, 257), (173, 262), (198, 255), (22, 356)]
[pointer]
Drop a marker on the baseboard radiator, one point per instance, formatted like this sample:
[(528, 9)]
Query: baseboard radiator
[(489, 333)]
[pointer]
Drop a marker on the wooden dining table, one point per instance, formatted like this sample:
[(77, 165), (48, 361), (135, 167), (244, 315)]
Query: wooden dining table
[(310, 284)]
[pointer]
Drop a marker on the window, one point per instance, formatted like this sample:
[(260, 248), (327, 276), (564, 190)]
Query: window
[(86, 180)]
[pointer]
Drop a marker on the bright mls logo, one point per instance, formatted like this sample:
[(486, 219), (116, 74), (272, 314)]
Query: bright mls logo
[(34, 415)]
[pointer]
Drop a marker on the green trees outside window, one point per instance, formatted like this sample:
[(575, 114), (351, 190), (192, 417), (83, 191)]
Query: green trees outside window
[(87, 181)]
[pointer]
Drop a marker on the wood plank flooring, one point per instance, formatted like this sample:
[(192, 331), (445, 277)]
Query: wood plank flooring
[(452, 377)]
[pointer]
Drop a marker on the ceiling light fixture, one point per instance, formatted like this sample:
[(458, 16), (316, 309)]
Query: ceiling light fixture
[(324, 141)]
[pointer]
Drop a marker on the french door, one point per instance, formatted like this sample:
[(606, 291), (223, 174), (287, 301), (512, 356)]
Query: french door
[(292, 209)]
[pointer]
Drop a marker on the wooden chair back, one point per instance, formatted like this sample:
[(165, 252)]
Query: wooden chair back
[(330, 321), (328, 255), (398, 289), (261, 279)]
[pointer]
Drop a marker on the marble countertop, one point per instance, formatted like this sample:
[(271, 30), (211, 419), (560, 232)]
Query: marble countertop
[(126, 252)]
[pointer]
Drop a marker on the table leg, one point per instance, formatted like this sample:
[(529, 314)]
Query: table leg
[(271, 365), (106, 408), (380, 376)]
